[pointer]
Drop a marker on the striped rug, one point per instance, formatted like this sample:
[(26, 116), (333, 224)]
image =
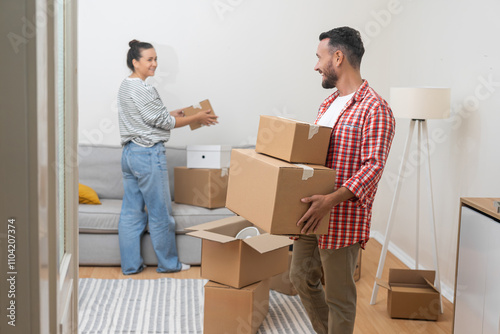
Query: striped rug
[(168, 305)]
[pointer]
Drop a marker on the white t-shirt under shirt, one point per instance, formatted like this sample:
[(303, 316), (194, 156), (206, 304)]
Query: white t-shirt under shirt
[(330, 116)]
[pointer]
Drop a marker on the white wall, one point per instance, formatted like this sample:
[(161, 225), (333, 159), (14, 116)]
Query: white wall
[(248, 57), (257, 57), (444, 43)]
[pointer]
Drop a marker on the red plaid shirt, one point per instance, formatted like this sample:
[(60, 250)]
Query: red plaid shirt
[(359, 147)]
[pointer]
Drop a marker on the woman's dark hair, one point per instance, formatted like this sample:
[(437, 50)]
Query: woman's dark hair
[(348, 41), (135, 50)]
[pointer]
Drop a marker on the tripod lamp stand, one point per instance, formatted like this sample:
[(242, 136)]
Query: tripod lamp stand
[(418, 104)]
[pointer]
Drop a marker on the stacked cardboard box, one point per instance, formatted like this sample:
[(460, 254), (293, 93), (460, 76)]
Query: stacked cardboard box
[(264, 188), (229, 310), (292, 140), (237, 294), (266, 184), (204, 181)]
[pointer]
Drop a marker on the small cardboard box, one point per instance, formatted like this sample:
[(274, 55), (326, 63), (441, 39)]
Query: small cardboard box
[(208, 156), (267, 191), (203, 105), (292, 140), (229, 310), (201, 187), (282, 283), (239, 262), (411, 295)]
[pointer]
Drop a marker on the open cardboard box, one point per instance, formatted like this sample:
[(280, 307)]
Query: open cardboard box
[(229, 310), (293, 141), (411, 295), (239, 262), (267, 191)]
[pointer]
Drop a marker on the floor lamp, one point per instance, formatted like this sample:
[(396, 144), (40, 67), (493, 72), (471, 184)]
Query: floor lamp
[(418, 104)]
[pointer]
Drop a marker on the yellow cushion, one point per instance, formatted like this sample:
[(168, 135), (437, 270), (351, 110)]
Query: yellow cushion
[(87, 195)]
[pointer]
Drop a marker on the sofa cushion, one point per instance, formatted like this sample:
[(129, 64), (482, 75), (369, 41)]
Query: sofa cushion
[(100, 168), (100, 218), (188, 215), (104, 250), (104, 218)]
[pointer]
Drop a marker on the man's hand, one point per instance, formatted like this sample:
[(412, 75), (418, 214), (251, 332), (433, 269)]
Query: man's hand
[(320, 207)]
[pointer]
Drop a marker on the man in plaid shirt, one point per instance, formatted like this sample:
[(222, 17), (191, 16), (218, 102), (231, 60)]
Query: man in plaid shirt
[(362, 131)]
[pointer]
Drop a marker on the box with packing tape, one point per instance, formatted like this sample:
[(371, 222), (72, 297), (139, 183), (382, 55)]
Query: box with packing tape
[(411, 295), (239, 259), (201, 186), (229, 310), (194, 109), (267, 191), (293, 141)]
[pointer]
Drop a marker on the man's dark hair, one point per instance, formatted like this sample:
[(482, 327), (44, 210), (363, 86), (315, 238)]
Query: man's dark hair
[(347, 40)]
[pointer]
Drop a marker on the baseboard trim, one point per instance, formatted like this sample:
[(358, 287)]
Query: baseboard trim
[(446, 291)]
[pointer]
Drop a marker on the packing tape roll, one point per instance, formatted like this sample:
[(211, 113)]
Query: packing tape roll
[(313, 129), (307, 171)]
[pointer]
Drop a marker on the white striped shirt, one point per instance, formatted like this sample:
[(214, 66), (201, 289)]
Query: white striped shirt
[(142, 116)]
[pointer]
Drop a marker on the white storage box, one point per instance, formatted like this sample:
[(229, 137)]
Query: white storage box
[(208, 156)]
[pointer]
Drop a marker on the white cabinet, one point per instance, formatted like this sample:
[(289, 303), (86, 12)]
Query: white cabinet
[(477, 287)]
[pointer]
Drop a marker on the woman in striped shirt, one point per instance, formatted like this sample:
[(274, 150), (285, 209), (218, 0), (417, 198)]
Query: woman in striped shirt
[(145, 126)]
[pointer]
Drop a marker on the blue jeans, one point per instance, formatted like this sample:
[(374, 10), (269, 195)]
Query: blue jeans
[(145, 181)]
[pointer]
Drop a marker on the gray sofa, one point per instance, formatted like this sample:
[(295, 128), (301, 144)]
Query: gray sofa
[(100, 169)]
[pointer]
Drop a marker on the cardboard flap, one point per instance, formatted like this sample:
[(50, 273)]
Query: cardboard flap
[(383, 283), (266, 242), (431, 285), (410, 276), (207, 235), (216, 223), (205, 104)]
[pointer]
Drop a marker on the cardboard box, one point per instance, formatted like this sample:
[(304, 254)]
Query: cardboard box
[(208, 156), (282, 283), (229, 310), (267, 191), (239, 262), (411, 295), (203, 105), (200, 187), (292, 140)]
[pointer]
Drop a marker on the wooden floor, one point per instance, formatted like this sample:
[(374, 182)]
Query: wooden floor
[(370, 319)]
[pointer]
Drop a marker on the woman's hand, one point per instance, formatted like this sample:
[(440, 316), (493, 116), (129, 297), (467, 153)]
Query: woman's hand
[(204, 117), (177, 113)]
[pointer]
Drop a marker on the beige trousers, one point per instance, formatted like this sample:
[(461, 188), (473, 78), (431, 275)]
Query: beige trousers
[(332, 310)]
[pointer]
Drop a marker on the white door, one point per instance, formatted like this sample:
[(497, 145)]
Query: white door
[(38, 174), (66, 139)]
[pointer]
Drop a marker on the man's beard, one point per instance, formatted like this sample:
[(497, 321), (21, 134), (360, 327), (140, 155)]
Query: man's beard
[(330, 78)]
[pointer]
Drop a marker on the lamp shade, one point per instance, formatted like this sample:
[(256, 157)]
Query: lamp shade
[(420, 102)]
